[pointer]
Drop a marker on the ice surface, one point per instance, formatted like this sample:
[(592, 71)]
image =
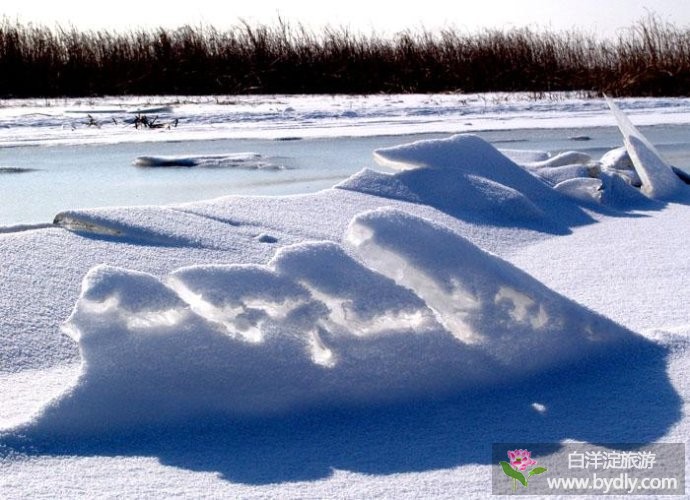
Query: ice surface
[(117, 110), (525, 156)]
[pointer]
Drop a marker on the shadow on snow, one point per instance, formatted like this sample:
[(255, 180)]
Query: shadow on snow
[(623, 397)]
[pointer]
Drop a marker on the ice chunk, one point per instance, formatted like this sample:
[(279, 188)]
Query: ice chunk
[(16, 170), (241, 298), (658, 179), (616, 159), (618, 192), (228, 160), (159, 226)]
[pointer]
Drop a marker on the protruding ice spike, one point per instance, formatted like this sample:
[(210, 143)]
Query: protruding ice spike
[(659, 181)]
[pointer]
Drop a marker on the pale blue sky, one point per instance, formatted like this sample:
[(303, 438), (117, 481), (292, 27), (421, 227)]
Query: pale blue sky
[(600, 16)]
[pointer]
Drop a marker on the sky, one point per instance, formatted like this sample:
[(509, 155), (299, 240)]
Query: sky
[(601, 17)]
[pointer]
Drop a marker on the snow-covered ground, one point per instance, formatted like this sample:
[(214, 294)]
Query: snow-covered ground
[(369, 340), (111, 120)]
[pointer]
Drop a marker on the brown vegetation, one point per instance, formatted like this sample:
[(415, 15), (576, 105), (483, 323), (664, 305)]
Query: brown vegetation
[(650, 58)]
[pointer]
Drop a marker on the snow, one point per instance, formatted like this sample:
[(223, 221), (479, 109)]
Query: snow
[(555, 175), (563, 159), (368, 340), (480, 299), (290, 117), (253, 339), (468, 178), (582, 188), (618, 161)]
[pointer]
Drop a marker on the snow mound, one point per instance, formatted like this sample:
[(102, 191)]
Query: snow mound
[(657, 177), (555, 175), (467, 178), (617, 161), (561, 160), (419, 313), (584, 189), (618, 191), (481, 299), (252, 161)]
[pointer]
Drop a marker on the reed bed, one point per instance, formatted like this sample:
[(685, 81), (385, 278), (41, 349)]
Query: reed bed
[(650, 58)]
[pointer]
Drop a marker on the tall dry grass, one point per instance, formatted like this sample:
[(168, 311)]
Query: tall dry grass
[(651, 58)]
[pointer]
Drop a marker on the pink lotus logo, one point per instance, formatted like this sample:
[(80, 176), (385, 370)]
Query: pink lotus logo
[(520, 461)]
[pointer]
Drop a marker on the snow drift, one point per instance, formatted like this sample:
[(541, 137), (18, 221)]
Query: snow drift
[(479, 298), (400, 307), (468, 178), (417, 312)]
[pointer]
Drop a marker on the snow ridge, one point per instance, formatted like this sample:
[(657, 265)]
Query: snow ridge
[(470, 179), (420, 312)]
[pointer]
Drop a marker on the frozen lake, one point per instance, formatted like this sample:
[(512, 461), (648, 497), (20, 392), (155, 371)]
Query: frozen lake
[(345, 343), (38, 181)]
